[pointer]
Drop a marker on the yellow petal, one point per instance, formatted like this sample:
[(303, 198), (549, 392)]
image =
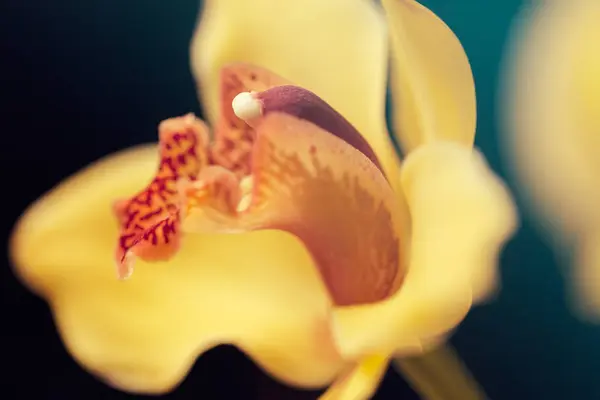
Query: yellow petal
[(74, 207), (552, 102), (143, 334), (461, 216), (335, 48), (432, 84)]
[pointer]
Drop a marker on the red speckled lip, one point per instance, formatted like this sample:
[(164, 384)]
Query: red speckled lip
[(150, 220)]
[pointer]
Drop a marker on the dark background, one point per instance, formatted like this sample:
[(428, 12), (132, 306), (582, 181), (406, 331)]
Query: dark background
[(80, 79)]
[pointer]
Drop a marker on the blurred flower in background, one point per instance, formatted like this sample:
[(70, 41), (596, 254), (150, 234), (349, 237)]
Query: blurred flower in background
[(552, 109), (427, 232)]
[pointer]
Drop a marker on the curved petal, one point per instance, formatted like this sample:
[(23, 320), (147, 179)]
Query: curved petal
[(461, 216), (342, 57), (316, 186), (554, 58), (75, 206), (143, 334), (432, 84)]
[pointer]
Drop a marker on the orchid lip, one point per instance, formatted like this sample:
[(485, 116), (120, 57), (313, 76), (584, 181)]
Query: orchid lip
[(283, 159)]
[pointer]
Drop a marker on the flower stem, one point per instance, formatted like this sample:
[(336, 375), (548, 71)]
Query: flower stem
[(439, 375)]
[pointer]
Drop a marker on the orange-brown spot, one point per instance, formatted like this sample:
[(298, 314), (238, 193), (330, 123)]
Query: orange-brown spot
[(348, 231), (335, 200), (150, 220)]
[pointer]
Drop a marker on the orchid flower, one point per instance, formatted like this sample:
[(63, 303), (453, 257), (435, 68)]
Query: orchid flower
[(552, 105), (287, 225)]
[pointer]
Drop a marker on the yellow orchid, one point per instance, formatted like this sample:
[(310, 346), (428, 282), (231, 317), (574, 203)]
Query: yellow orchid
[(552, 100), (306, 244)]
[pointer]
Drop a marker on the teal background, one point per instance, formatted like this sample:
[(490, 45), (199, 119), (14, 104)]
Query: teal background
[(84, 78), (528, 344)]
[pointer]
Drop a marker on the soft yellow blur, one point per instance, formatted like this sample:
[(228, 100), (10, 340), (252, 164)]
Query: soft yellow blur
[(552, 104), (261, 291)]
